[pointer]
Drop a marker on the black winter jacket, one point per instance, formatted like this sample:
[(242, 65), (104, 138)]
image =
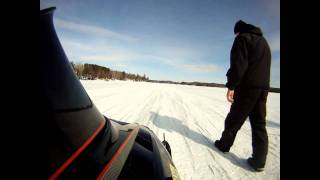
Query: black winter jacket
[(250, 60)]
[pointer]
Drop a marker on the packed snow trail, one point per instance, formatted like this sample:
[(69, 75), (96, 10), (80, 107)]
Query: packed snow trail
[(192, 118)]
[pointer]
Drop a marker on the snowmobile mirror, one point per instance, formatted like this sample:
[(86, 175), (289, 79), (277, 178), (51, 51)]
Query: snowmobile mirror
[(166, 144)]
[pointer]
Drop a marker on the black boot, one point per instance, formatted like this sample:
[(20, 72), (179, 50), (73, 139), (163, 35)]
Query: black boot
[(218, 145), (254, 165)]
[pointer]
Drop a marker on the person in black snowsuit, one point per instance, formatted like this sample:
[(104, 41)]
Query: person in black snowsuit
[(248, 86)]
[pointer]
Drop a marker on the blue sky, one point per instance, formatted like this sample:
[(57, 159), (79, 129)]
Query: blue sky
[(179, 40)]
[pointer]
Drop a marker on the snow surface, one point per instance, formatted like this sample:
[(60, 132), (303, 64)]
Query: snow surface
[(192, 118)]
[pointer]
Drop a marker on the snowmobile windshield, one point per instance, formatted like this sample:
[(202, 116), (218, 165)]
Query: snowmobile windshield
[(59, 84), (64, 93)]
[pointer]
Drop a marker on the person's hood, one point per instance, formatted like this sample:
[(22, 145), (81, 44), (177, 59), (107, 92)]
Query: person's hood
[(253, 30), (243, 27)]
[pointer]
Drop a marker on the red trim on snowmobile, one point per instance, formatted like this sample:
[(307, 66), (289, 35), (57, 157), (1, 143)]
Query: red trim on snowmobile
[(105, 170), (76, 154)]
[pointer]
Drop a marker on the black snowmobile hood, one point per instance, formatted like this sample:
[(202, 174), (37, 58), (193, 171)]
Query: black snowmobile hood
[(73, 121)]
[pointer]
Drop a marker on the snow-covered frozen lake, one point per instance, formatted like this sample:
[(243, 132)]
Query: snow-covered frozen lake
[(192, 118)]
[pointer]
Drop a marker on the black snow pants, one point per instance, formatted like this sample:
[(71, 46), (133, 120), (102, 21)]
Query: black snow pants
[(248, 102)]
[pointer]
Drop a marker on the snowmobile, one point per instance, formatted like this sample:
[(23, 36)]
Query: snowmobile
[(82, 142)]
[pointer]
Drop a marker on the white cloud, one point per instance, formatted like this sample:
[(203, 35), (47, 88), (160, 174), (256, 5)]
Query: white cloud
[(273, 7), (179, 58), (204, 68), (275, 65), (87, 51), (120, 65), (108, 58), (161, 59), (275, 73), (91, 29), (275, 42), (179, 63), (70, 44), (178, 54)]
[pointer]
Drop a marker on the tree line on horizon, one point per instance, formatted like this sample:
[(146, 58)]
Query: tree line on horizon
[(93, 71)]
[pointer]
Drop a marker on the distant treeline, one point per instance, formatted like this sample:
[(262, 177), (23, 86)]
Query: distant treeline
[(190, 83), (93, 71), (275, 90)]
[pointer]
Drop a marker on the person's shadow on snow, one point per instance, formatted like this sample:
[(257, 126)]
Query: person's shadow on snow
[(173, 124)]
